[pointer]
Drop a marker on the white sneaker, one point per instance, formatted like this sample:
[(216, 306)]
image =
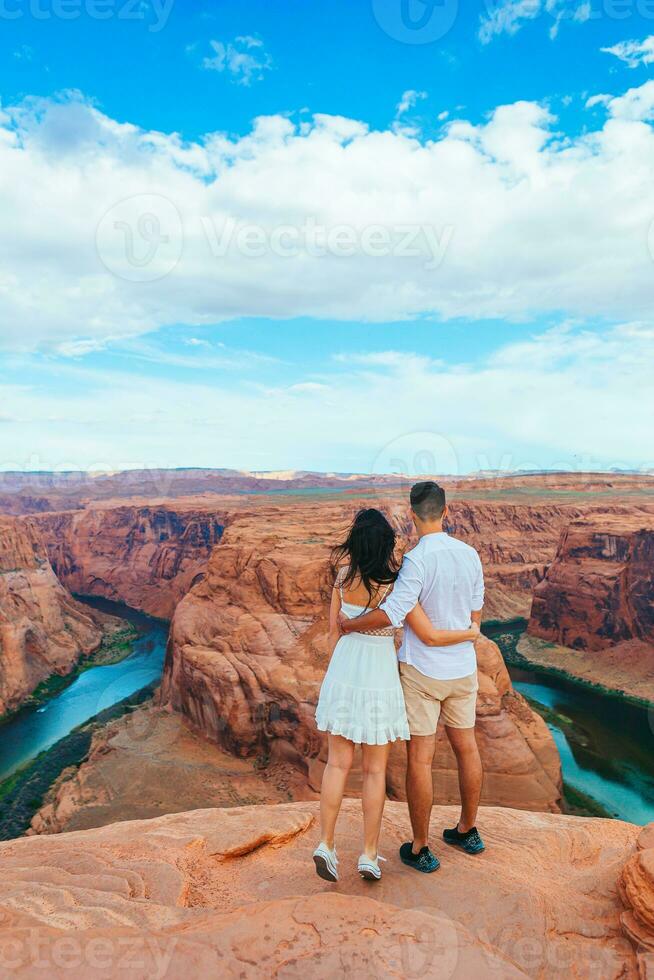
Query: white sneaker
[(370, 869), (326, 862)]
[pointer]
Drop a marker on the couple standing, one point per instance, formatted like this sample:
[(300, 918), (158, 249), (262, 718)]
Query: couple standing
[(438, 596)]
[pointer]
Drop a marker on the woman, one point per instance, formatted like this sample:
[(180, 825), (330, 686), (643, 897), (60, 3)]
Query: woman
[(361, 700)]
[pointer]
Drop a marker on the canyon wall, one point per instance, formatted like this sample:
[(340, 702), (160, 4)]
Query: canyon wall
[(599, 590), (146, 555), (149, 553), (515, 543), (43, 630), (248, 650)]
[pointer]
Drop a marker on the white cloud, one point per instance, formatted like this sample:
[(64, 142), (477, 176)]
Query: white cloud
[(205, 355), (633, 53), (522, 215), (308, 387), (24, 53), (579, 15), (399, 361), (565, 397), (244, 58), (601, 99), (509, 16), (408, 101), (636, 105), (404, 124)]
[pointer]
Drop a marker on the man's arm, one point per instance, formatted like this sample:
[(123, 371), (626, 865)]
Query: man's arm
[(393, 610), (478, 595), (376, 619)]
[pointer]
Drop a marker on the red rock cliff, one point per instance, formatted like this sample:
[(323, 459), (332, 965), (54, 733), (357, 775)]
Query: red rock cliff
[(247, 654), (147, 556), (43, 631), (599, 590), (149, 553)]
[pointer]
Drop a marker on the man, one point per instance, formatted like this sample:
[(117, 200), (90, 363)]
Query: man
[(446, 577)]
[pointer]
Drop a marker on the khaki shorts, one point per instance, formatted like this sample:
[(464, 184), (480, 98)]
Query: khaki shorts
[(427, 699)]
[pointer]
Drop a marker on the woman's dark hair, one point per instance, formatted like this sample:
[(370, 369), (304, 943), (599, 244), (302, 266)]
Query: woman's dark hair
[(369, 549)]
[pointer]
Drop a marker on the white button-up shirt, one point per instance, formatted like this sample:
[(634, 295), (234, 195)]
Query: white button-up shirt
[(446, 577)]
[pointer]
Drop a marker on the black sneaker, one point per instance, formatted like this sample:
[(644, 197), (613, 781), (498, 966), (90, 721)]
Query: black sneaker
[(424, 861), (471, 841)]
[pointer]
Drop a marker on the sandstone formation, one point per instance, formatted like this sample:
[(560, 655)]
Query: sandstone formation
[(177, 770), (517, 541), (248, 650), (599, 590), (593, 614), (143, 536), (43, 630), (145, 555), (636, 886), (232, 893), (17, 504), (149, 553)]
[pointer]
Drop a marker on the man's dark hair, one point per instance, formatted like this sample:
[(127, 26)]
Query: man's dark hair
[(427, 500)]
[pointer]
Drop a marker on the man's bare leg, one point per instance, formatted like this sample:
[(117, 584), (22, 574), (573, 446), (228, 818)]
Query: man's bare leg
[(464, 745), (420, 787)]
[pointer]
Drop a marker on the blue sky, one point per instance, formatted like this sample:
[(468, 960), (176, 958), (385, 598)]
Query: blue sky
[(331, 57), (483, 183)]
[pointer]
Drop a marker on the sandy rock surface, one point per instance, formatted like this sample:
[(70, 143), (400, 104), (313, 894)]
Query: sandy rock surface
[(149, 763), (233, 893)]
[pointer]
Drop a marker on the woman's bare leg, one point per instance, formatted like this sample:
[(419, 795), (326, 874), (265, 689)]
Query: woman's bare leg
[(334, 778), (374, 760)]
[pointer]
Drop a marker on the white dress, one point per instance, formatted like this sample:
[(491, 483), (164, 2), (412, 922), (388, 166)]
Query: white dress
[(361, 696)]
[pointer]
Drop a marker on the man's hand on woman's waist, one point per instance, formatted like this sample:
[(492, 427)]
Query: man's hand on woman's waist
[(376, 619)]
